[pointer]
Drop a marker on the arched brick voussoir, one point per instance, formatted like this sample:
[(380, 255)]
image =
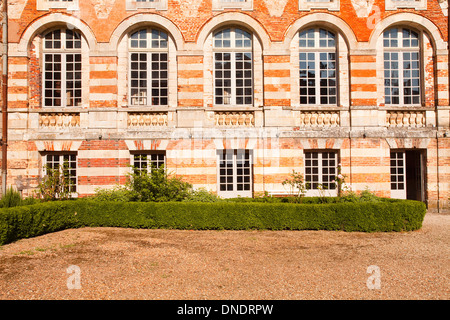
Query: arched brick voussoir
[(147, 19), (47, 22)]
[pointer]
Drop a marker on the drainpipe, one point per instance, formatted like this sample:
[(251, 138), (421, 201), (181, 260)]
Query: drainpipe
[(4, 95)]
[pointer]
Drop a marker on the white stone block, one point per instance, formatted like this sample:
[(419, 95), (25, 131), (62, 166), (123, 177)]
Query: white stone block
[(278, 117), (103, 119), (364, 118)]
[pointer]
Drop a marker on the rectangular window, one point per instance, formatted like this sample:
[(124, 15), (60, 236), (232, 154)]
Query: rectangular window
[(391, 78), (235, 173), (66, 163), (412, 4), (45, 5), (318, 78), (308, 78), (307, 5), (317, 67), (147, 161), (149, 79), (62, 79), (233, 78), (398, 171), (146, 4), (321, 170), (62, 69), (402, 80), (232, 4)]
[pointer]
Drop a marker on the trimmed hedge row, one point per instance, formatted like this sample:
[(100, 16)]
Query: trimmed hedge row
[(38, 219)]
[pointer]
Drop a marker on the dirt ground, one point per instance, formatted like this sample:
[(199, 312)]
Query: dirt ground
[(114, 263)]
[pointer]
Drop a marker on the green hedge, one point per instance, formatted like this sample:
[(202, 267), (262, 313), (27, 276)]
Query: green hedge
[(38, 219)]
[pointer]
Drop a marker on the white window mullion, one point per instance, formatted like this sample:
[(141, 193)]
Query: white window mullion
[(400, 76), (234, 171), (63, 83), (317, 65), (317, 75), (149, 57), (400, 68), (233, 90), (233, 78), (63, 71)]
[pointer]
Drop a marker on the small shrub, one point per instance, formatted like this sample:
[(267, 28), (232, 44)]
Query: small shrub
[(118, 193), (202, 195), (157, 186), (366, 195), (349, 196), (154, 185), (296, 183), (12, 198), (56, 184)]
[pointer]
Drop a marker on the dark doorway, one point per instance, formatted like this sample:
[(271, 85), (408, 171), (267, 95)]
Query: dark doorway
[(408, 174), (415, 175)]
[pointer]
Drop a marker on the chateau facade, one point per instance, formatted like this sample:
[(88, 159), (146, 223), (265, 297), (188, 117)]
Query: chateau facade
[(231, 95)]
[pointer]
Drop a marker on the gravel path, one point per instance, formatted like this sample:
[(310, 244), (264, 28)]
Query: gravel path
[(173, 264)]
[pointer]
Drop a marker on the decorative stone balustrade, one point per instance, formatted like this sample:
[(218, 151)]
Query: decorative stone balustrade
[(147, 119), (59, 120), (319, 119), (414, 119), (234, 119)]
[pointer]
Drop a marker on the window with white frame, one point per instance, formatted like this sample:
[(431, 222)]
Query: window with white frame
[(146, 4), (307, 5), (233, 67), (232, 4), (45, 5), (62, 68), (145, 161), (402, 67), (398, 175), (148, 77), (406, 4), (318, 67), (235, 173), (321, 170), (66, 164)]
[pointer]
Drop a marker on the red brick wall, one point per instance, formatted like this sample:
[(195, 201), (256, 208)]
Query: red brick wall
[(190, 26)]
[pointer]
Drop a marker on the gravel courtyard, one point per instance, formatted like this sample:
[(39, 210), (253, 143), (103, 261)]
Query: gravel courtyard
[(173, 264)]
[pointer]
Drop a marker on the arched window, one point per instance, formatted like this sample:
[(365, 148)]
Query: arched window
[(233, 67), (148, 68), (401, 67), (62, 68), (318, 67)]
